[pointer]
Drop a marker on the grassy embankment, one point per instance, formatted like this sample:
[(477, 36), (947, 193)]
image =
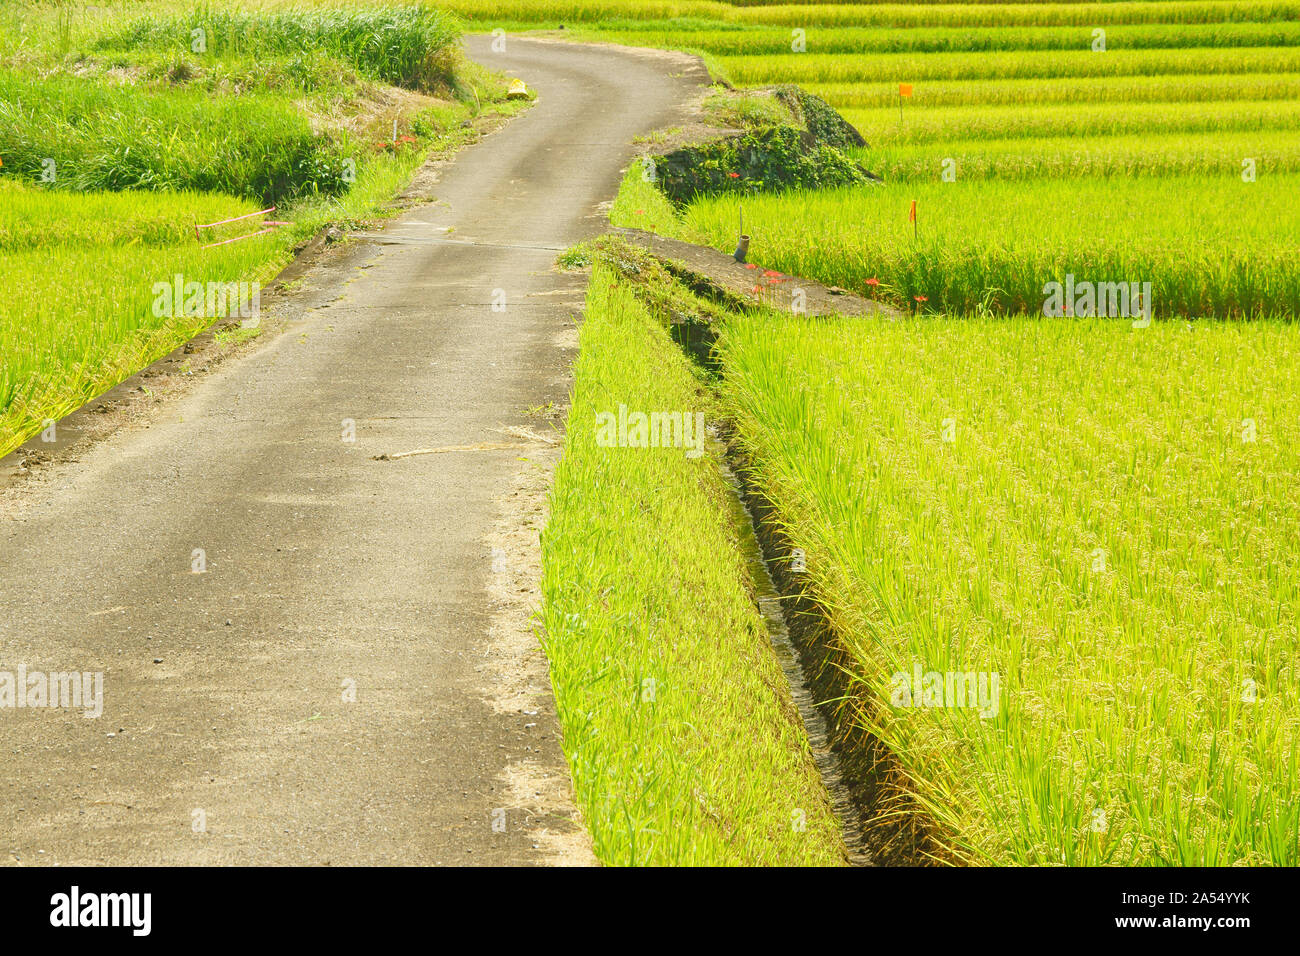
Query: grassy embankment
[(684, 744)]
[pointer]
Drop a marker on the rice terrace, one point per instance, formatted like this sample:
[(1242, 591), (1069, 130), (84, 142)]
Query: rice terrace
[(657, 433)]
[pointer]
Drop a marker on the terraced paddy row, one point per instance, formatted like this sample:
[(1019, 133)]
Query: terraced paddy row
[(993, 245), (712, 15)]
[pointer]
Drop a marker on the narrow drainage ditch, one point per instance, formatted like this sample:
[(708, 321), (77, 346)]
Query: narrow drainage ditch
[(881, 820), (787, 655)]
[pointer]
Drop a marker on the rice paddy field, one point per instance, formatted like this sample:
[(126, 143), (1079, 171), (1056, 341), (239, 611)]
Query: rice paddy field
[(1158, 138), (1100, 516), (679, 730), (1104, 517), (64, 341)]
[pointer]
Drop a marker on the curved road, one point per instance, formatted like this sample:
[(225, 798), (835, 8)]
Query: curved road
[(345, 674)]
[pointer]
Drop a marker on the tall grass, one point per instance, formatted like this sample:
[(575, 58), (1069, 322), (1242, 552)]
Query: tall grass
[(413, 46), (101, 136), (1101, 533)]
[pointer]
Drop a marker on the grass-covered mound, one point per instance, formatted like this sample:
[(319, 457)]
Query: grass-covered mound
[(789, 139), (764, 160)]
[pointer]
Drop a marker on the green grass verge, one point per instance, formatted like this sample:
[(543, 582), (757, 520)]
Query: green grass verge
[(684, 744)]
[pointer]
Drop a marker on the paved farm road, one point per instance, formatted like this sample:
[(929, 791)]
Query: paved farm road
[(325, 569)]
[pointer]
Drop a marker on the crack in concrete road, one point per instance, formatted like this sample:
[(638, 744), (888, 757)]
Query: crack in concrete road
[(310, 656)]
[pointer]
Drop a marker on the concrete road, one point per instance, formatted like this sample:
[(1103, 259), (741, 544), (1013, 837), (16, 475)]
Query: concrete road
[(308, 655)]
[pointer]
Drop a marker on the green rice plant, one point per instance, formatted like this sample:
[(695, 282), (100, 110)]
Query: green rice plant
[(80, 271), (1209, 247), (683, 742), (1177, 88), (1100, 516)]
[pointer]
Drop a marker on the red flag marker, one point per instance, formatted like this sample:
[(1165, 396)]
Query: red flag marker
[(904, 89)]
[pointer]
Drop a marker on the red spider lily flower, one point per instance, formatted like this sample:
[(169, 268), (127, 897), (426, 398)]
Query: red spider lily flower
[(756, 289), (921, 298), (873, 281), (640, 212), (770, 272), (750, 265), (406, 139), (734, 175)]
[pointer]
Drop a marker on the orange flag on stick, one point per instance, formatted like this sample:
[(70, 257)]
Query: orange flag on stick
[(904, 89), (911, 215)]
